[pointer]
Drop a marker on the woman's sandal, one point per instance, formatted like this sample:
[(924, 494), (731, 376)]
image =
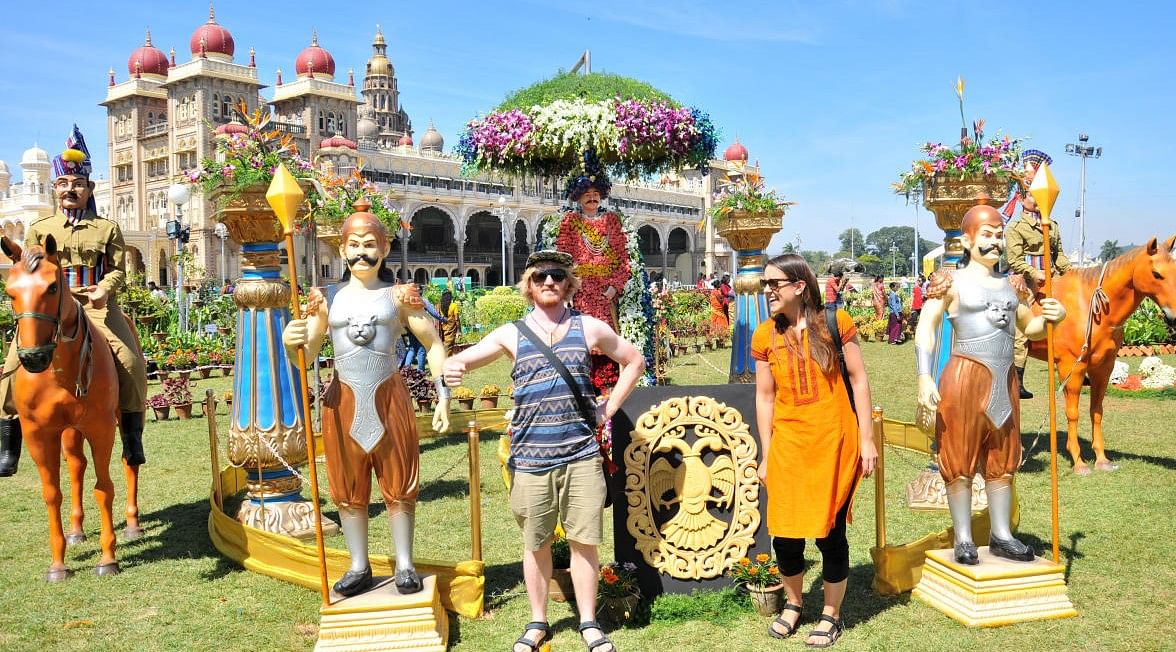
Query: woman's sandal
[(533, 645), (789, 628), (831, 636), (602, 641)]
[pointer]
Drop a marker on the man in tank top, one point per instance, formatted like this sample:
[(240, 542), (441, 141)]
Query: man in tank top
[(554, 456)]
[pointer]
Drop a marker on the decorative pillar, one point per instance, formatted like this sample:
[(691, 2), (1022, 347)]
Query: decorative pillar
[(405, 234), (461, 269), (749, 235), (266, 424)]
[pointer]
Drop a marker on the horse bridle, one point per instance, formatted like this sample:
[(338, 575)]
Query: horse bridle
[(53, 319)]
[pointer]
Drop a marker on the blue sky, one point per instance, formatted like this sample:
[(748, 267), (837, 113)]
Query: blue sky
[(832, 98)]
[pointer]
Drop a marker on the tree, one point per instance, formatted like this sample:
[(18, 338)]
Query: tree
[(1110, 249), (817, 260), (874, 265), (789, 248), (851, 240), (903, 240)]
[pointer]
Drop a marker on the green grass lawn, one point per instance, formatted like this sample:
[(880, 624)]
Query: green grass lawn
[(177, 593)]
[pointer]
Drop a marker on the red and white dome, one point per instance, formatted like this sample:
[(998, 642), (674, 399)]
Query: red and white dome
[(234, 126), (337, 141), (315, 61), (212, 40), (735, 152), (147, 60), (405, 140)]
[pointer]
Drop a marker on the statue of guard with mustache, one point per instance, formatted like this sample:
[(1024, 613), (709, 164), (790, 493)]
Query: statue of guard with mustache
[(368, 420), (93, 256), (978, 425)]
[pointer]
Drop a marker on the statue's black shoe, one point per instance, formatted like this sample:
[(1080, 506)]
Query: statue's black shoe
[(407, 581), (1010, 549), (354, 582), (966, 553)]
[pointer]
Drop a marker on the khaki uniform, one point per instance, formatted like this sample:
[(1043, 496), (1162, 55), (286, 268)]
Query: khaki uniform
[(93, 246), (1024, 250)]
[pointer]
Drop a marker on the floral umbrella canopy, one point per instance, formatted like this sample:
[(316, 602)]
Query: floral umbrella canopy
[(545, 129)]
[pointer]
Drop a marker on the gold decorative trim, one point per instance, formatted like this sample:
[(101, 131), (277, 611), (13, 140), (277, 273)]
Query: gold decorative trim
[(693, 543), (750, 230), (253, 293), (245, 449)]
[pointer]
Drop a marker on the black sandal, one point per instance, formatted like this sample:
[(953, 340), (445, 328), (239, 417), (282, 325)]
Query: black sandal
[(831, 636), (789, 628), (603, 640), (534, 645)]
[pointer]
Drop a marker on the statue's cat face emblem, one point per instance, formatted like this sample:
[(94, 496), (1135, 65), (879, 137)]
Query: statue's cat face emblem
[(1000, 313), (361, 330)]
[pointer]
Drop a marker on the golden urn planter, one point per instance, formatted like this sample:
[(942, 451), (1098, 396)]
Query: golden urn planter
[(949, 197), (749, 234)]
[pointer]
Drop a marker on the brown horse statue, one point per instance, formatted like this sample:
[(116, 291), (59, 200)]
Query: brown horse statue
[(66, 394), (1099, 300)]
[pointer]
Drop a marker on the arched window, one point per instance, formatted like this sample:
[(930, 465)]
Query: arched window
[(162, 117), (150, 118), (330, 122), (226, 101), (215, 106)]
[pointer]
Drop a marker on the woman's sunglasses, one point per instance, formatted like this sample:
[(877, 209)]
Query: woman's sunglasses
[(774, 283), (555, 274)]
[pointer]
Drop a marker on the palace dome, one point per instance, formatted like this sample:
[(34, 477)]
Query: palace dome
[(234, 126), (34, 156), (379, 63), (315, 60), (432, 140), (735, 152), (147, 60), (217, 41), (337, 141), (405, 140), (367, 128)]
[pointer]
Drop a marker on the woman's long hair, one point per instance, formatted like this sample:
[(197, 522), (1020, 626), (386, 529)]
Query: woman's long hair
[(820, 342), (446, 300)]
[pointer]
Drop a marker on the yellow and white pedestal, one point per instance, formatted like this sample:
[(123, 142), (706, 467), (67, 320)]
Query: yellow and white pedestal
[(996, 592), (383, 619)]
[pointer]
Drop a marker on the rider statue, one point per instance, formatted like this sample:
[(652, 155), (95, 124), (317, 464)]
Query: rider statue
[(93, 258), (368, 421), (1025, 250), (978, 435)]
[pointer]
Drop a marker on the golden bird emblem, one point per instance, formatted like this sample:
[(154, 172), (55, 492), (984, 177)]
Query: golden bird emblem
[(691, 486)]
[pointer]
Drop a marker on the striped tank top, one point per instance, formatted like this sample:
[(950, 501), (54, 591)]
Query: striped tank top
[(547, 429)]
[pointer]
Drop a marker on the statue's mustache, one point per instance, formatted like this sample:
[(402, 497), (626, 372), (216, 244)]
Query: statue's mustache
[(984, 251), (370, 260)]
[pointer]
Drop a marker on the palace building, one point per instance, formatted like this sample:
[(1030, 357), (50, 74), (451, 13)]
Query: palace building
[(165, 116)]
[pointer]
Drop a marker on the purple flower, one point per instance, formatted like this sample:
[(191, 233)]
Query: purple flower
[(940, 165), (960, 163)]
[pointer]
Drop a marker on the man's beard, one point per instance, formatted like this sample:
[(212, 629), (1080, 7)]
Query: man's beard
[(372, 261)]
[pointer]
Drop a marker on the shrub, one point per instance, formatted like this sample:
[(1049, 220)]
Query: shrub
[(718, 607), (1146, 326), (499, 307)]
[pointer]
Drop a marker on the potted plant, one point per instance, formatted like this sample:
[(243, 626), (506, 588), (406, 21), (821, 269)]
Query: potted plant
[(227, 397), (509, 391), (762, 580), (420, 387), (464, 396), (203, 364), (745, 214), (178, 396), (489, 396), (560, 588), (160, 405), (617, 592)]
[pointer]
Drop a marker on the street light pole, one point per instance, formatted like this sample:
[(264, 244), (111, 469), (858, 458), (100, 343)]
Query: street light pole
[(893, 259), (222, 232), (178, 194), (1084, 151)]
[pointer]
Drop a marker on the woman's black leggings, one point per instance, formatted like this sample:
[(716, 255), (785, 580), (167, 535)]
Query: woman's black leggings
[(834, 549)]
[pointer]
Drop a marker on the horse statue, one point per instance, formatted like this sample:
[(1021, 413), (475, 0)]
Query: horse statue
[(66, 394), (1098, 301)]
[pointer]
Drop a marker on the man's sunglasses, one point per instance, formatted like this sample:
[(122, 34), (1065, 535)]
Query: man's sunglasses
[(775, 283), (555, 274)]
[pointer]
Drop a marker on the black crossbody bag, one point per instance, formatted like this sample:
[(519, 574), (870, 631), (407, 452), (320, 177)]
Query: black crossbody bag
[(831, 319)]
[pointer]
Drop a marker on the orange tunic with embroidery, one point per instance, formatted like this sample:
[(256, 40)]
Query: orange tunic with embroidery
[(814, 461)]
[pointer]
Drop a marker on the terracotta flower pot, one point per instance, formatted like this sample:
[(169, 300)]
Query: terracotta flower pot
[(226, 371), (768, 600), (160, 336), (488, 402), (162, 413), (204, 372), (423, 404), (466, 403), (183, 410), (560, 588)]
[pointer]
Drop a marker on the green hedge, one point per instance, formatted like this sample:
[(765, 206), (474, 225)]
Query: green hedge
[(593, 87)]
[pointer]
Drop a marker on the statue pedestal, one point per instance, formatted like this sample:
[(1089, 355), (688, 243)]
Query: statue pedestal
[(383, 619), (996, 592)]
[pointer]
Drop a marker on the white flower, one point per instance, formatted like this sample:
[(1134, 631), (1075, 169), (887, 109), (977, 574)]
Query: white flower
[(1164, 376), (1150, 364), (1119, 373)]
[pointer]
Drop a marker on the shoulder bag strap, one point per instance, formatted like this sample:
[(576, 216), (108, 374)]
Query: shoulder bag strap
[(588, 413), (835, 333)]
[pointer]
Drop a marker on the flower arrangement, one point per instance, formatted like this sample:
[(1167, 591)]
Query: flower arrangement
[(630, 136), (462, 393), (339, 195), (176, 391), (998, 159), (761, 572), (561, 550), (180, 359), (419, 385), (158, 401), (746, 194), (617, 580), (244, 160), (203, 359), (509, 391), (489, 391)]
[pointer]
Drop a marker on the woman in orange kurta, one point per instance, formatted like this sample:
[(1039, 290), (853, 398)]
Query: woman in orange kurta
[(817, 448)]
